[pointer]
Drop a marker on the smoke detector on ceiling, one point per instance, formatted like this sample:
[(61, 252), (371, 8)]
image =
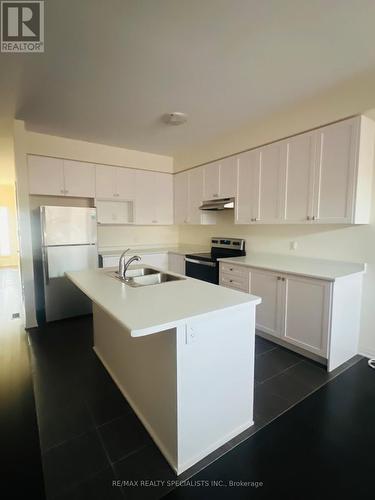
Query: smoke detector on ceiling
[(175, 118)]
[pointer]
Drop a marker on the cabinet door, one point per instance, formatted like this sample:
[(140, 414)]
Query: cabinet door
[(46, 175), (269, 286), (114, 212), (176, 263), (181, 198), (228, 177), (268, 183), (247, 196), (79, 179), (146, 197), (334, 172), (297, 179), (307, 305), (196, 180), (164, 200), (211, 181), (125, 183), (105, 181)]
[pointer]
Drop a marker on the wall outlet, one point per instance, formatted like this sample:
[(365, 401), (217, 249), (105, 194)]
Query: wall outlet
[(293, 245)]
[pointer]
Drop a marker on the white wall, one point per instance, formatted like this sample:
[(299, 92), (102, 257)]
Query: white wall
[(26, 142)]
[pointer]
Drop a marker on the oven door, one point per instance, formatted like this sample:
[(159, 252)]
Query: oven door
[(202, 270)]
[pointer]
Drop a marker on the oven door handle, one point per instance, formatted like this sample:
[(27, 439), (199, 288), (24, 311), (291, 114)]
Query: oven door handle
[(202, 262)]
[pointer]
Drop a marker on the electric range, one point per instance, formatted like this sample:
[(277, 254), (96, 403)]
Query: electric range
[(205, 266)]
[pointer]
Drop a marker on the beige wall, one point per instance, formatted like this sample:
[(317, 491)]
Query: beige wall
[(122, 236), (351, 243), (354, 96), (61, 147), (8, 199)]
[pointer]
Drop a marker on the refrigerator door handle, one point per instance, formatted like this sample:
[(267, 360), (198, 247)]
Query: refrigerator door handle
[(45, 264)]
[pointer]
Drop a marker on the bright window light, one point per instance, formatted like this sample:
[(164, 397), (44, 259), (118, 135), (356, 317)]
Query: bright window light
[(4, 232)]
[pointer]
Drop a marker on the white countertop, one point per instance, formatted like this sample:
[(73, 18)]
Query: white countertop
[(151, 309), (177, 249), (313, 268)]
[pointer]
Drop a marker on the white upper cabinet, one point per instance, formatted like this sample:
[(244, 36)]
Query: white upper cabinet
[(211, 174), (46, 175), (247, 192), (298, 177), (57, 177), (115, 182), (154, 198), (267, 183), (228, 177), (220, 179), (181, 198), (105, 181), (79, 179), (337, 152), (126, 183), (196, 216)]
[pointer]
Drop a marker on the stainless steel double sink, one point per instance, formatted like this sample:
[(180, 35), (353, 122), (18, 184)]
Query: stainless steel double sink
[(144, 276)]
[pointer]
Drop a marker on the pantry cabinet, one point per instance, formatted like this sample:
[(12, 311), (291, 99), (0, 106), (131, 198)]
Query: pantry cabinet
[(58, 177)]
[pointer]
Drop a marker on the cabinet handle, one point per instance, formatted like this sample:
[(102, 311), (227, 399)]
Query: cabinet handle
[(231, 269), (215, 195), (62, 191), (230, 281), (314, 218), (278, 278), (308, 217), (282, 279)]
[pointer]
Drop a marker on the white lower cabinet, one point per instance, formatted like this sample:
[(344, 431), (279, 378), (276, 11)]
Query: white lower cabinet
[(306, 313), (176, 263), (294, 308), (316, 317), (269, 314)]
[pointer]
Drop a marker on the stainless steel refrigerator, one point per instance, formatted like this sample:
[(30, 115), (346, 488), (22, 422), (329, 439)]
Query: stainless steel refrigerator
[(68, 243)]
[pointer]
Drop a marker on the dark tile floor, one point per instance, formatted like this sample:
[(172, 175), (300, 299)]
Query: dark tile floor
[(320, 448), (89, 434)]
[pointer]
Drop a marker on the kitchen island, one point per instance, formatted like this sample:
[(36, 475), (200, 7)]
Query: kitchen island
[(182, 353)]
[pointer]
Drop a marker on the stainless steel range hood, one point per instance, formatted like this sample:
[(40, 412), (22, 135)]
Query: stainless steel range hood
[(216, 205)]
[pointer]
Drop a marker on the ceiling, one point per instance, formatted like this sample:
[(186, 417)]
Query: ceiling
[(112, 68)]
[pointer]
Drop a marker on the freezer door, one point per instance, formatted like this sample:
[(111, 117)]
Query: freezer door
[(58, 260), (68, 225)]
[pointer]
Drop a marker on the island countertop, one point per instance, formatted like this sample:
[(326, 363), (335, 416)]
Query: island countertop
[(324, 269), (151, 309)]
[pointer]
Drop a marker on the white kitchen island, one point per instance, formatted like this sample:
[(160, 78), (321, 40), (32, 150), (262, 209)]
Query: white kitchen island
[(182, 353)]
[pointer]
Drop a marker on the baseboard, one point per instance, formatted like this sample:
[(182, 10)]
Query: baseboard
[(368, 353), (189, 463)]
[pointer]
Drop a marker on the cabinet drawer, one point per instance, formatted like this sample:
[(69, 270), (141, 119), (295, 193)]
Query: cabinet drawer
[(233, 281), (234, 270)]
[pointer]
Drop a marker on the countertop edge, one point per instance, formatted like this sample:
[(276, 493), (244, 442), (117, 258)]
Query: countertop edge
[(280, 269)]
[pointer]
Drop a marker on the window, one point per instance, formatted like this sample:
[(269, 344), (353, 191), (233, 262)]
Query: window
[(4, 232)]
